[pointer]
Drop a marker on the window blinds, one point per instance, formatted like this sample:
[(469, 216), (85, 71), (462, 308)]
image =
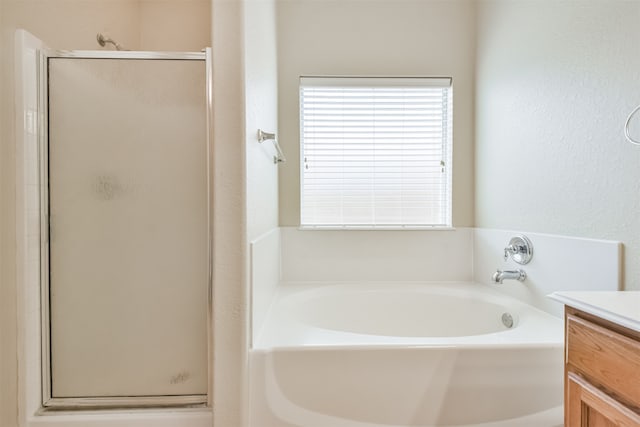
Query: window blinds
[(375, 152)]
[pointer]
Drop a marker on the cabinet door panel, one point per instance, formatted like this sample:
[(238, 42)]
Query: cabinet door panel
[(588, 406), (596, 419)]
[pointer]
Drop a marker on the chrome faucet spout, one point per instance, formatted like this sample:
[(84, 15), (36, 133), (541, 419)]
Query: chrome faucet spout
[(499, 276)]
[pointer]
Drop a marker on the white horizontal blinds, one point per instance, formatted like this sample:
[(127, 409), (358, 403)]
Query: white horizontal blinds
[(375, 152)]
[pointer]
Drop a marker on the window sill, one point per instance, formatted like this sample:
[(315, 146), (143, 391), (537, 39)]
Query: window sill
[(374, 228)]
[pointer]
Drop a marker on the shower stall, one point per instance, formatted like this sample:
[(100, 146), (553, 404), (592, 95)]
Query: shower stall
[(123, 201)]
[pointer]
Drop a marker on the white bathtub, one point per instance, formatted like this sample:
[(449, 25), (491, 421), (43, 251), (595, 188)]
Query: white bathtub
[(355, 355)]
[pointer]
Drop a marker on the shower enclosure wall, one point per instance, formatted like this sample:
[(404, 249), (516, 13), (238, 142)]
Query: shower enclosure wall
[(123, 197)]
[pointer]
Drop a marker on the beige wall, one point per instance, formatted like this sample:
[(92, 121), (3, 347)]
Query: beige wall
[(230, 298), (8, 329), (555, 83), (245, 183), (261, 105), (8, 326), (382, 37), (135, 24), (261, 112)]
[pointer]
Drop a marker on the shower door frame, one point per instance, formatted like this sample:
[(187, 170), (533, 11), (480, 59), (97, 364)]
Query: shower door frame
[(61, 403)]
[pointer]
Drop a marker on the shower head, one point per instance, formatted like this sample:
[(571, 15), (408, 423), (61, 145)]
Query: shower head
[(102, 41)]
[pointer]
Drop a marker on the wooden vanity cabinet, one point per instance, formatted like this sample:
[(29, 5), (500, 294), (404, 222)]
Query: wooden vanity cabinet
[(602, 372)]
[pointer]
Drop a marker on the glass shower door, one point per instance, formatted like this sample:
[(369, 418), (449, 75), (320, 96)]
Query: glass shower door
[(128, 229)]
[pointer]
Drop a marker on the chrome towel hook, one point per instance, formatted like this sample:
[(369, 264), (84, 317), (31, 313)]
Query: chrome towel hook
[(266, 136), (626, 127)]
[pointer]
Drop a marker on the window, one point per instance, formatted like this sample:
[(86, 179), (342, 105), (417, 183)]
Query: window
[(375, 152)]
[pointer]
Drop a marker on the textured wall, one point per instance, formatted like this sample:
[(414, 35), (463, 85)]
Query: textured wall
[(555, 83), (387, 38), (261, 106), (230, 296), (261, 94)]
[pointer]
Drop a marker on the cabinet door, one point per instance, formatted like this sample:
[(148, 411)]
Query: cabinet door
[(588, 406)]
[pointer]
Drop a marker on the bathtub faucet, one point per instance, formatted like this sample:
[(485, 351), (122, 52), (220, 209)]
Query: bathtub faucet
[(500, 275)]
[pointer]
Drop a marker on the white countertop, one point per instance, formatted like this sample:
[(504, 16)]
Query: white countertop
[(621, 307)]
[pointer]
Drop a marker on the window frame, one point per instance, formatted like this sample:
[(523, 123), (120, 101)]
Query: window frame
[(384, 81)]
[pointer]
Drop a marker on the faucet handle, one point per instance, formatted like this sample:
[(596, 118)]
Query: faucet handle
[(519, 249), (509, 251)]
